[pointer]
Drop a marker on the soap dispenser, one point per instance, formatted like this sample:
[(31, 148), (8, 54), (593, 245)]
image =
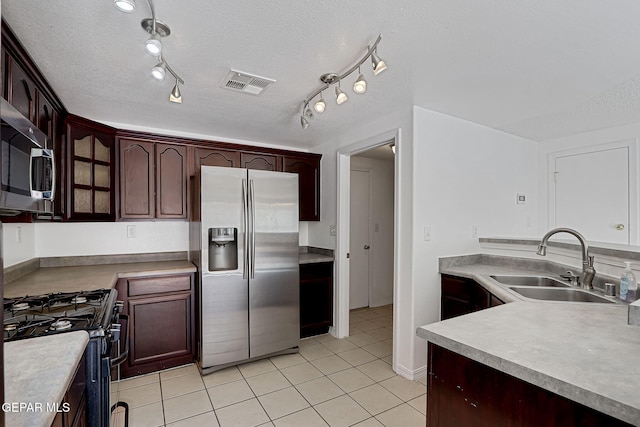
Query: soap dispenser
[(628, 284)]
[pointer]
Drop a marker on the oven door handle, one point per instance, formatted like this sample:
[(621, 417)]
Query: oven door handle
[(123, 356)]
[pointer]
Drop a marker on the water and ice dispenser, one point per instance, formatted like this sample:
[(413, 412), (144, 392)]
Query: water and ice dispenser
[(223, 249)]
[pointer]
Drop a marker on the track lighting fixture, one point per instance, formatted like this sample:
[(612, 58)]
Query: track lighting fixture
[(153, 45), (378, 64), (125, 5), (359, 86), (320, 105), (308, 113), (175, 95), (341, 97), (304, 122), (159, 71)]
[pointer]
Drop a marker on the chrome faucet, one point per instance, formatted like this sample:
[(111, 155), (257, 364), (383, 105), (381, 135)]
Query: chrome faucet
[(588, 272)]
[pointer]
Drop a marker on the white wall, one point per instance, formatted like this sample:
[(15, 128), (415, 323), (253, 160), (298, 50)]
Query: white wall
[(465, 174), (53, 239), (319, 231), (381, 256), (14, 251)]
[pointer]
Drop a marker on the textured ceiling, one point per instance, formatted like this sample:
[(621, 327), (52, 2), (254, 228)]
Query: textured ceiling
[(538, 69)]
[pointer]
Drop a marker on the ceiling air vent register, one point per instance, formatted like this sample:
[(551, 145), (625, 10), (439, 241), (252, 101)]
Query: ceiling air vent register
[(240, 81)]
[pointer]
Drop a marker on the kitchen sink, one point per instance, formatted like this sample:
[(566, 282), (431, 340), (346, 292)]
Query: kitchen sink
[(530, 281), (551, 294)]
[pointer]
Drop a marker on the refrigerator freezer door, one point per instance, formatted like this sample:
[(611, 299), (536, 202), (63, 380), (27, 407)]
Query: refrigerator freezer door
[(223, 294), (274, 313)]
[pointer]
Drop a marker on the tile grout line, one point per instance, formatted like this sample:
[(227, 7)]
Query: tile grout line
[(312, 362)]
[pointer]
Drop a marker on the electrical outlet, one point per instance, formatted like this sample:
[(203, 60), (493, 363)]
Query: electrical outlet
[(18, 234), (474, 231), (131, 231), (427, 233), (332, 230)]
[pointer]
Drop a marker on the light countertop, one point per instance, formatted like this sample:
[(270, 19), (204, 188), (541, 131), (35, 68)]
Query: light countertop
[(39, 371), (89, 277), (309, 258), (585, 352)]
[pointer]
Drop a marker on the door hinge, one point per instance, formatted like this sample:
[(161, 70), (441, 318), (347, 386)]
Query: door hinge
[(555, 176)]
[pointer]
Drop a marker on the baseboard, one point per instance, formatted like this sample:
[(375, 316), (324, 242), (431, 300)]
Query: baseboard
[(411, 374)]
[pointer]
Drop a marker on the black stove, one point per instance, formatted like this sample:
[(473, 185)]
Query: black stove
[(36, 316), (96, 312)]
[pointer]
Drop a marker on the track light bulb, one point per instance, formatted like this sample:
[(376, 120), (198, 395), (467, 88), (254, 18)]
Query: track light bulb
[(320, 106), (308, 113), (360, 86), (304, 122), (125, 5), (341, 97), (378, 64), (158, 72), (175, 95), (154, 45)]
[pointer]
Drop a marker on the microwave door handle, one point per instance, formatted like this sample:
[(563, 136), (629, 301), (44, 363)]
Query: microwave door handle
[(36, 153), (53, 175), (31, 157)]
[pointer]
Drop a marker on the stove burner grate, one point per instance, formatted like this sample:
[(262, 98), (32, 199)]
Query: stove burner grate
[(60, 325)]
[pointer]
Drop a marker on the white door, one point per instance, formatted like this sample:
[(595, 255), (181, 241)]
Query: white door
[(359, 240), (592, 194)]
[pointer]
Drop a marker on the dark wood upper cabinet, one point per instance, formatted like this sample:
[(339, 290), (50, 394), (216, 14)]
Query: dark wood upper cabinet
[(137, 179), (22, 90), (46, 118), (265, 162), (153, 179), (215, 157), (308, 170), (171, 181), (90, 170)]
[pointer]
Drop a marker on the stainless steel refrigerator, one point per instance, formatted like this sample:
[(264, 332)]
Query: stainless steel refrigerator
[(244, 241)]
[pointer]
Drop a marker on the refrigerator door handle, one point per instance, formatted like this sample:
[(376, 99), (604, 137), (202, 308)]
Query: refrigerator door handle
[(252, 242), (245, 215)]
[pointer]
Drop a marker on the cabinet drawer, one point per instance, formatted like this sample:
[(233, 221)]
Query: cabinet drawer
[(158, 285), (314, 271)]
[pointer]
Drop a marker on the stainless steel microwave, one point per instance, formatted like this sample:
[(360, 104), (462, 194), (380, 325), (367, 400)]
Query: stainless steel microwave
[(28, 167)]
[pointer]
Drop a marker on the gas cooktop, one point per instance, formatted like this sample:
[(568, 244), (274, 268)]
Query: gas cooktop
[(35, 316)]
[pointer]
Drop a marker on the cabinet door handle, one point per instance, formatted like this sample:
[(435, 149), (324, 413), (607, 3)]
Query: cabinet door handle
[(620, 227), (367, 246)]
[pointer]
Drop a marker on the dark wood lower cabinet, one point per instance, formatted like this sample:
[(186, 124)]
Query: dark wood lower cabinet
[(461, 296), (72, 411), (316, 298), (462, 392), (162, 322)]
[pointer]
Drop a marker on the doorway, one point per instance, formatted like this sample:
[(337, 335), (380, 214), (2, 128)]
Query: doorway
[(360, 238), (387, 234), (592, 190)]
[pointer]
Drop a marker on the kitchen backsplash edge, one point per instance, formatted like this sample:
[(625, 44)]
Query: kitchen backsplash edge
[(16, 271)]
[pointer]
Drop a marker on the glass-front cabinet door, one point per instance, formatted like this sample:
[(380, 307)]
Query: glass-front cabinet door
[(91, 171)]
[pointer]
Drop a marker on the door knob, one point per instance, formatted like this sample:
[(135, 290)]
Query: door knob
[(620, 227), (367, 246)]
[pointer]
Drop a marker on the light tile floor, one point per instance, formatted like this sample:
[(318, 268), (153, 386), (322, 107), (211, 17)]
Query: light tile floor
[(330, 382)]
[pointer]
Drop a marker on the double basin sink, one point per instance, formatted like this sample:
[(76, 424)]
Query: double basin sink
[(548, 289)]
